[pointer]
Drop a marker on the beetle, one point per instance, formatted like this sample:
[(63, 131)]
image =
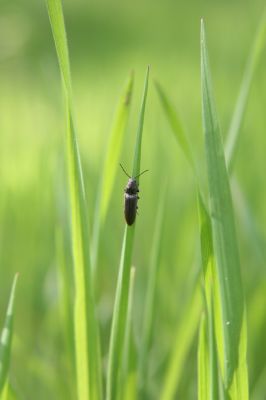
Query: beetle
[(131, 197)]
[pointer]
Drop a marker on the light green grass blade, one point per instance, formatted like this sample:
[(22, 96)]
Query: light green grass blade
[(121, 297), (208, 378), (6, 338), (232, 349), (185, 334), (203, 361), (149, 306), (241, 104), (129, 381), (185, 330), (176, 125), (111, 163), (88, 371)]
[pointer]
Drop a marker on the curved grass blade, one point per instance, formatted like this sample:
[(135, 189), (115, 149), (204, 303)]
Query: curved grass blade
[(176, 125), (241, 104), (85, 324), (6, 338), (121, 297), (232, 349), (186, 329), (110, 164), (149, 306)]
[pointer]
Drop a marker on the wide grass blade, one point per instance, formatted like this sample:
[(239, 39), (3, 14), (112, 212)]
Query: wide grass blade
[(241, 104), (110, 164), (121, 298), (6, 338), (88, 371), (231, 346)]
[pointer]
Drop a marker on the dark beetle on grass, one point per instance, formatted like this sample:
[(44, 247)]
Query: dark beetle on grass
[(131, 198)]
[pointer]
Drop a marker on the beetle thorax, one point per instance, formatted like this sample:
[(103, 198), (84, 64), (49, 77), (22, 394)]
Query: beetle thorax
[(132, 186)]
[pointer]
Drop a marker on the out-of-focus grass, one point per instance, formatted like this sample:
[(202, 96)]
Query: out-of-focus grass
[(104, 45)]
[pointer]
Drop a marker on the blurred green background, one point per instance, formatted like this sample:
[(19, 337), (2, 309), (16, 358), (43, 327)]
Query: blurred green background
[(107, 40)]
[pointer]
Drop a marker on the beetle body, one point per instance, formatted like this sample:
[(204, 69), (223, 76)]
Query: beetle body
[(131, 201), (131, 198)]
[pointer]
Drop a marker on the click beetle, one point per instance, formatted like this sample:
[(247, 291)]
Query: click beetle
[(131, 198)]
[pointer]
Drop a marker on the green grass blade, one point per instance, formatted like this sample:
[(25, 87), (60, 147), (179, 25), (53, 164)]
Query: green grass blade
[(121, 297), (65, 303), (176, 125), (231, 350), (110, 164), (149, 306), (6, 338), (85, 324), (128, 381), (185, 334), (241, 104), (203, 362)]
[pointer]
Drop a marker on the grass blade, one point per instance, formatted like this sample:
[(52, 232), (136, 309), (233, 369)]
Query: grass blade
[(203, 362), (149, 307), (241, 104), (110, 164), (121, 298), (176, 125), (232, 347), (85, 324), (128, 381), (6, 338), (185, 334)]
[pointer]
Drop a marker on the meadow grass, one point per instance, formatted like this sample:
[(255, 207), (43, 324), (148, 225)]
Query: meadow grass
[(138, 337)]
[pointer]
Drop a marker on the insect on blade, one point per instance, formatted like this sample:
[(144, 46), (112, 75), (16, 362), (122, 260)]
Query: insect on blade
[(131, 198)]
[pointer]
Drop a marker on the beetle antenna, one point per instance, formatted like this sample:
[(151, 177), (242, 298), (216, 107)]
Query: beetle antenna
[(143, 172), (124, 170)]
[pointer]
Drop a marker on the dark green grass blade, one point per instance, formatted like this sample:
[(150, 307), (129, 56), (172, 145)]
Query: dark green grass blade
[(111, 164), (88, 371), (6, 338), (121, 297), (241, 104), (232, 348)]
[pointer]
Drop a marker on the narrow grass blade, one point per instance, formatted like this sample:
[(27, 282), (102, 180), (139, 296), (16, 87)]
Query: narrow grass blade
[(110, 164), (203, 361), (185, 330), (185, 334), (129, 379), (65, 303), (232, 348), (121, 298), (6, 337), (176, 125), (86, 329), (241, 104), (149, 306)]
